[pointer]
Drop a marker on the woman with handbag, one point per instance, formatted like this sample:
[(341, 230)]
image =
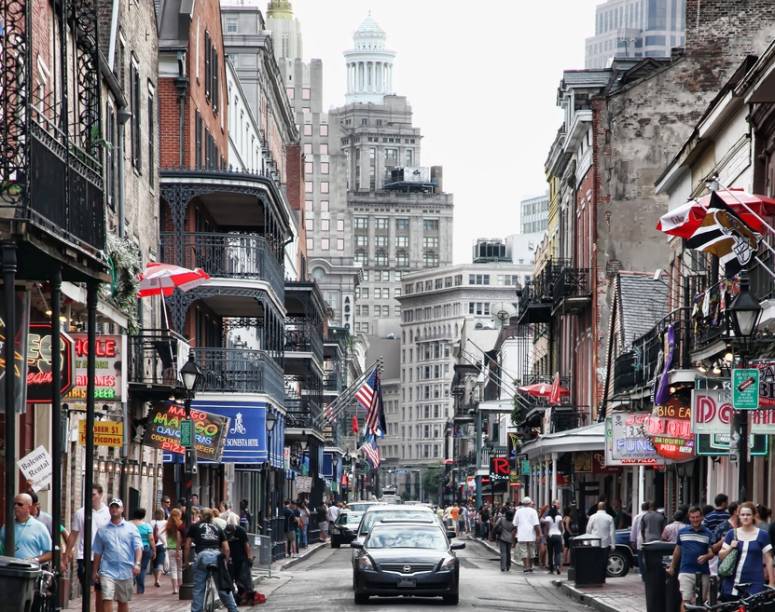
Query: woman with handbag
[(745, 553)]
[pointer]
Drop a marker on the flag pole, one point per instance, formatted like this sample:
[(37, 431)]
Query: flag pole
[(766, 269), (346, 396)]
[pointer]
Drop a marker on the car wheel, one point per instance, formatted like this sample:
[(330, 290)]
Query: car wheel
[(361, 598), (452, 600), (618, 565)]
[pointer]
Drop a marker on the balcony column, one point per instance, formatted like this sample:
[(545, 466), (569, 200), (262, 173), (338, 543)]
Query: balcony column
[(547, 479), (554, 477)]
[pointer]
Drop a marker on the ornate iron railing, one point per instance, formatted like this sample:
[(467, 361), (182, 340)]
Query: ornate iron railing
[(302, 411), (155, 357), (570, 283), (239, 371), (301, 335), (230, 255), (50, 168)]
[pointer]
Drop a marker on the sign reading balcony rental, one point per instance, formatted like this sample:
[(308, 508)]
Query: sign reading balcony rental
[(164, 424), (670, 429)]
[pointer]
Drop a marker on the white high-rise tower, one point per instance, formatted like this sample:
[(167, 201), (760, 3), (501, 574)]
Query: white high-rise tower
[(369, 65)]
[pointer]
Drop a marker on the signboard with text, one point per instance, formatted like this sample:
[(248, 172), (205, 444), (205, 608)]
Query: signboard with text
[(627, 442), (712, 411), (164, 431), (670, 429), (109, 373), (106, 433), (39, 376), (500, 468), (717, 445), (36, 467), (745, 388)]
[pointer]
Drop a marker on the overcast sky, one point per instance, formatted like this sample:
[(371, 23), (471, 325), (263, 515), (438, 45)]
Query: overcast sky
[(482, 80)]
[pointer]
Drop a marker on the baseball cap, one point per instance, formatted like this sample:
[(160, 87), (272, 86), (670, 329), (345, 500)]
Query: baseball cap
[(526, 501), (116, 502)]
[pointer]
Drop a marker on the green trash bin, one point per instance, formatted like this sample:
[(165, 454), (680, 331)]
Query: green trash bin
[(18, 579)]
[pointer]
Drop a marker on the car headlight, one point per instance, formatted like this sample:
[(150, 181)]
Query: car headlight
[(447, 565), (365, 563)]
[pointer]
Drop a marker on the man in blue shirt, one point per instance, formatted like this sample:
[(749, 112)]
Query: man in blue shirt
[(31, 537), (118, 551), (693, 551)]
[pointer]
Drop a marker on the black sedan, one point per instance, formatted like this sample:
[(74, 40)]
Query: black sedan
[(406, 560), (345, 528)]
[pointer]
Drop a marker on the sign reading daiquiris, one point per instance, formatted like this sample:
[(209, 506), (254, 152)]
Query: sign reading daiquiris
[(164, 425)]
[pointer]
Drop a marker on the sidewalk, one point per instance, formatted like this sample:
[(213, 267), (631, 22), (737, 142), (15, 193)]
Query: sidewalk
[(162, 600), (616, 595)]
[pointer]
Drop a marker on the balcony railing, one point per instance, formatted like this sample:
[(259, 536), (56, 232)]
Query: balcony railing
[(239, 370), (572, 290), (569, 418), (332, 382), (638, 367), (302, 411), (537, 297), (155, 358), (302, 336), (243, 256)]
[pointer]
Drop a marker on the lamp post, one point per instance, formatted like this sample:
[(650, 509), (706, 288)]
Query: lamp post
[(271, 420), (192, 378), (745, 312)]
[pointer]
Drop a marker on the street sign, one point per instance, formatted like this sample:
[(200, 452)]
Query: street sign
[(745, 388), (185, 433), (106, 433), (303, 484)]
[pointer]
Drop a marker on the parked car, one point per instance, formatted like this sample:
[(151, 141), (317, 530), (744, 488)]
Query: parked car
[(362, 506), (344, 529), (406, 560), (623, 557)]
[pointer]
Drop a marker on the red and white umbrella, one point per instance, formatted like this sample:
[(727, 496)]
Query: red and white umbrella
[(162, 279), (684, 220), (545, 390)]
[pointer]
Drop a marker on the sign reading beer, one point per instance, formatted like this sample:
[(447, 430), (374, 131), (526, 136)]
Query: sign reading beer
[(39, 375), (164, 431), (500, 468), (670, 429), (109, 373), (105, 433)]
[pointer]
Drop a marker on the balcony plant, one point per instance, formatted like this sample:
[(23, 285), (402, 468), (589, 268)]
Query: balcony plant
[(125, 266)]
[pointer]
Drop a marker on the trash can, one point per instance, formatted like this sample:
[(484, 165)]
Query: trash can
[(662, 594), (17, 581), (589, 561)]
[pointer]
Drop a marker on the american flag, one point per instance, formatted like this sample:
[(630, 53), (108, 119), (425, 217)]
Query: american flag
[(365, 393), (375, 416), (329, 415), (371, 450)]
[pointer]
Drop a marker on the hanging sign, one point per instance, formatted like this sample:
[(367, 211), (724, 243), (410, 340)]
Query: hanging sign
[(106, 433), (627, 442), (39, 376), (109, 373), (500, 468), (303, 484), (670, 429), (717, 445), (164, 431), (712, 411)]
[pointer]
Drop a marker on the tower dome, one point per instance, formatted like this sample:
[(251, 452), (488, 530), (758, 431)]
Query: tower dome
[(369, 65)]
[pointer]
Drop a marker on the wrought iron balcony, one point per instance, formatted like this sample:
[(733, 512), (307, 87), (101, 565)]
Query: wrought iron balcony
[(332, 381), (50, 168), (303, 336), (239, 370), (565, 418), (536, 299), (233, 255), (302, 411), (572, 290), (155, 359)]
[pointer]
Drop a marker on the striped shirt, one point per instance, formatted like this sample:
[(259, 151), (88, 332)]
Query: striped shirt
[(693, 543), (714, 519)]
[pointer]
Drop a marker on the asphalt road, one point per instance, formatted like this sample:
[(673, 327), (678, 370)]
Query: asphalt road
[(324, 582)]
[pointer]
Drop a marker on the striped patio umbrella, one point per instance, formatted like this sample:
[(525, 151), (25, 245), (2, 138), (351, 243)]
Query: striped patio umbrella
[(162, 279)]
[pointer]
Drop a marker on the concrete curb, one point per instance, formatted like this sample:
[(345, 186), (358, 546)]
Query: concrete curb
[(590, 600), (309, 551)]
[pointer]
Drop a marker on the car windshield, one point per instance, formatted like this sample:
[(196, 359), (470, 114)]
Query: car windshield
[(403, 536), (351, 519), (399, 515)]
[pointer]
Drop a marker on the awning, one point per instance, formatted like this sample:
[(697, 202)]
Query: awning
[(588, 438)]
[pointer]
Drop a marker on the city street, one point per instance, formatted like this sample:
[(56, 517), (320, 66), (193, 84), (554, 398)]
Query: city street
[(323, 582)]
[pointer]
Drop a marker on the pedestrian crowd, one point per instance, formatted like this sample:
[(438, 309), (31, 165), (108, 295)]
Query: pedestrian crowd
[(125, 552)]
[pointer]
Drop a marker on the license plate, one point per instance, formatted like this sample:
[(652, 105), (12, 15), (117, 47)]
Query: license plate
[(407, 583)]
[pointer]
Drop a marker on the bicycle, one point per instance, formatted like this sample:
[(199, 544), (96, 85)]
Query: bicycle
[(211, 589), (44, 592), (759, 602)]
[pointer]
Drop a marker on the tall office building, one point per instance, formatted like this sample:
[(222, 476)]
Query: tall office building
[(396, 216), (635, 28), (534, 214), (434, 305)]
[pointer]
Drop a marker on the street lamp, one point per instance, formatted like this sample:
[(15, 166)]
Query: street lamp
[(192, 379), (271, 420), (745, 312)]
